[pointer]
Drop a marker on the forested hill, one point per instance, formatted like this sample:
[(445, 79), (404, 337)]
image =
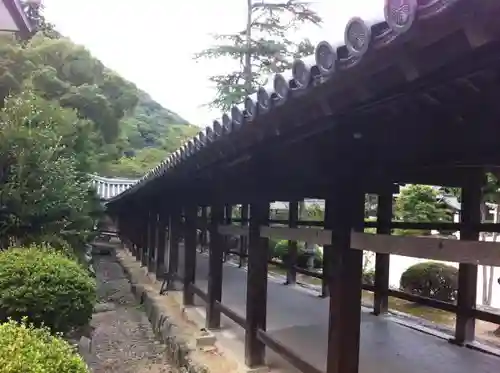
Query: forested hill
[(125, 131)]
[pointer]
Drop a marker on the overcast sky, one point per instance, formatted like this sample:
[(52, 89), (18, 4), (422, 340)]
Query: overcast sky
[(152, 44)]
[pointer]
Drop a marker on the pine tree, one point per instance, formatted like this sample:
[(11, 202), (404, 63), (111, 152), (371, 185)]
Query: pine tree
[(261, 48)]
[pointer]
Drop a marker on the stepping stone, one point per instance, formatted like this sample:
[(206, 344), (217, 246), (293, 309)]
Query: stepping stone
[(104, 307)]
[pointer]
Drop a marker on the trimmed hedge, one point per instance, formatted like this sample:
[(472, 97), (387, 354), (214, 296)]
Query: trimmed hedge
[(46, 287), (432, 280), (25, 349), (280, 251)]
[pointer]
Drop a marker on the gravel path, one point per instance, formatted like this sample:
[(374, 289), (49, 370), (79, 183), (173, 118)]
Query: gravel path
[(123, 338)]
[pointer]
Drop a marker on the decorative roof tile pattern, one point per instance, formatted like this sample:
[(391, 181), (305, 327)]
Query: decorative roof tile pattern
[(331, 60)]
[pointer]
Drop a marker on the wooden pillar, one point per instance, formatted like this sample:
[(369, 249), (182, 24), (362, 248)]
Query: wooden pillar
[(256, 306), (215, 267), (204, 223), (382, 261), (293, 217), (228, 219), (144, 238), (135, 234), (243, 239), (162, 242), (344, 212), (138, 239), (467, 273), (328, 222), (152, 244), (173, 251), (190, 254)]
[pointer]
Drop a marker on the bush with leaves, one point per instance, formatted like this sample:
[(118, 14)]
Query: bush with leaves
[(26, 349), (420, 203), (44, 188), (46, 287), (368, 277), (281, 251), (432, 280)]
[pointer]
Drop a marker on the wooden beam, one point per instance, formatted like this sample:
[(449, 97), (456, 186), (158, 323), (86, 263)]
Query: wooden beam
[(449, 250), (312, 235), (232, 230)]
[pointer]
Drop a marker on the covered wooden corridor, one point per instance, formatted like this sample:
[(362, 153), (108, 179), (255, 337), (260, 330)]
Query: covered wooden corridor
[(410, 98)]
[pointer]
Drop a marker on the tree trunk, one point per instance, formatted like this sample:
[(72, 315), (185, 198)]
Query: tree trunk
[(248, 58)]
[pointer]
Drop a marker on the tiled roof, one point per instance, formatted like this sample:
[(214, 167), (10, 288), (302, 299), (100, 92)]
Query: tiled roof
[(17, 13), (108, 188), (332, 61)]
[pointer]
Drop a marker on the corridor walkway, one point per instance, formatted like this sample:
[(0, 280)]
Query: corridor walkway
[(299, 319)]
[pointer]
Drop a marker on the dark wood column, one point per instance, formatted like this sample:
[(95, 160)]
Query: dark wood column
[(190, 254), (136, 236), (344, 212), (162, 243), (144, 238), (215, 267), (173, 250), (256, 307), (243, 239), (152, 241), (467, 273), (228, 219), (204, 223), (293, 217), (382, 261)]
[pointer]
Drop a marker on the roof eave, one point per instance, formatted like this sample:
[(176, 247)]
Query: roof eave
[(22, 22)]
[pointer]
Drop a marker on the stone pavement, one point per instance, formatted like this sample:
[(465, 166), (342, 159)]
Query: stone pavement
[(299, 319), (123, 339)]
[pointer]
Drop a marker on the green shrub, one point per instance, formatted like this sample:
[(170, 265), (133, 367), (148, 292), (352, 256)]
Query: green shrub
[(368, 277), (271, 247), (432, 280), (25, 349), (281, 250), (47, 287)]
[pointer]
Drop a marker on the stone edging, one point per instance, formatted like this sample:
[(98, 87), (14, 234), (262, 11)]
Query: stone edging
[(177, 349)]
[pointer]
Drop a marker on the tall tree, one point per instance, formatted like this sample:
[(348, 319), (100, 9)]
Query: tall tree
[(420, 203), (263, 47)]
